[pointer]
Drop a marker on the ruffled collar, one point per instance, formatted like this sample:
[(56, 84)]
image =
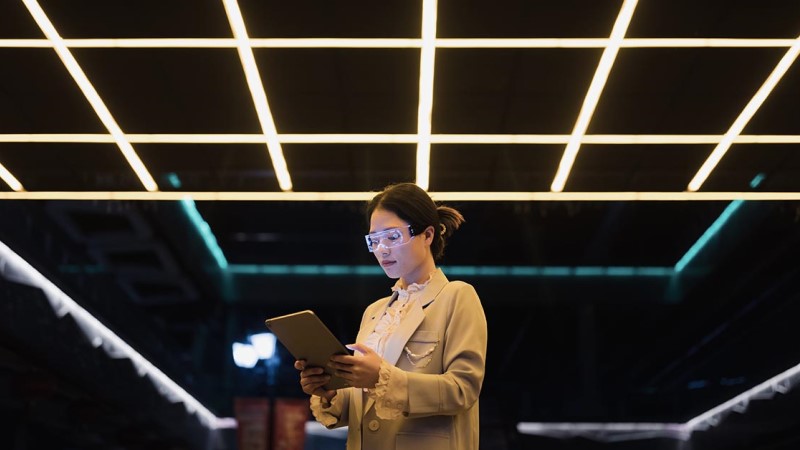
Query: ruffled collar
[(413, 287)]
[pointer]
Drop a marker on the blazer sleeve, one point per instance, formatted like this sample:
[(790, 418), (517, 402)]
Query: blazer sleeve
[(464, 361)]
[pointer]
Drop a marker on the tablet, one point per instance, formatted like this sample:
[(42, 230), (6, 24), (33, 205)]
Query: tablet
[(306, 337)]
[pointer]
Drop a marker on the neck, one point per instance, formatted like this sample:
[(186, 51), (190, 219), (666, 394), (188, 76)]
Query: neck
[(420, 275)]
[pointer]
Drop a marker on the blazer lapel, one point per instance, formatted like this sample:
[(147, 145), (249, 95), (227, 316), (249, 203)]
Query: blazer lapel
[(397, 341), (367, 328), (415, 315)]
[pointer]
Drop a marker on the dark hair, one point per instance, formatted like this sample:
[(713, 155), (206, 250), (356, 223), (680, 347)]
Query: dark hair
[(412, 204)]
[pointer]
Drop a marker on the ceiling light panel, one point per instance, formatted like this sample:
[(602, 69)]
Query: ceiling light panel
[(33, 79), (174, 19), (427, 62), (207, 167), (491, 43), (743, 161), (10, 180), (778, 115), (330, 91), (356, 167), (185, 91), (737, 20), (91, 94), (496, 167), (333, 138), (43, 166), (510, 91), (593, 94), (259, 96), (680, 91), (745, 115), (390, 19), (656, 167), (516, 19), (463, 196)]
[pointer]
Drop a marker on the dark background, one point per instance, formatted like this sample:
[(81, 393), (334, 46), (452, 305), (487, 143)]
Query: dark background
[(588, 320)]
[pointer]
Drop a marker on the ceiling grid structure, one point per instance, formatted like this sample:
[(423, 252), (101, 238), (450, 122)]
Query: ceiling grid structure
[(366, 145), (635, 303)]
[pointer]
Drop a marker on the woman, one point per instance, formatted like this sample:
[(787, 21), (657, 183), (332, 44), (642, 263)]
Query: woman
[(420, 353)]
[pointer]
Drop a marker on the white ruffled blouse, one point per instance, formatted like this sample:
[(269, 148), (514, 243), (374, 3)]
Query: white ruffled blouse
[(391, 391)]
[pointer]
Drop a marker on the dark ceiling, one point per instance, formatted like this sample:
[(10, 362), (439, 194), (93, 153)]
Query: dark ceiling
[(589, 318)]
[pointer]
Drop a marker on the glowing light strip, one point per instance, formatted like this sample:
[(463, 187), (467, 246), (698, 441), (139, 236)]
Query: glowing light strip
[(621, 139), (257, 92), (476, 271), (779, 383), (427, 62), (607, 431), (505, 196), (90, 93), (745, 116), (205, 231), (22, 271), (10, 180), (401, 43), (593, 95), (708, 234)]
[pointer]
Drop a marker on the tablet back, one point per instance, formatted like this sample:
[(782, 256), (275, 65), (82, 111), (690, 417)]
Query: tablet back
[(307, 337)]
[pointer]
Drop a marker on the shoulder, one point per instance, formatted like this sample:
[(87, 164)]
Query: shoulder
[(460, 294), (460, 288)]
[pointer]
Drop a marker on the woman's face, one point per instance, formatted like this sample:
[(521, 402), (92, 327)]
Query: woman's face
[(412, 260)]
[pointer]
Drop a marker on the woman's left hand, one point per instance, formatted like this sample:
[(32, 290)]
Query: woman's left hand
[(360, 370)]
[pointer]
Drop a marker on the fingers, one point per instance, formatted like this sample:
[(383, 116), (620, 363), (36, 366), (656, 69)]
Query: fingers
[(300, 364), (311, 371), (313, 383), (360, 348)]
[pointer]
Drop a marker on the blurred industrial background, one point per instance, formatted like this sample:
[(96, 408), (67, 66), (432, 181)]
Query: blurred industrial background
[(629, 173)]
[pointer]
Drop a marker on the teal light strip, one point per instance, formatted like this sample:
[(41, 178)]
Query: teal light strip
[(710, 233), (205, 231), (716, 226), (173, 180), (475, 271)]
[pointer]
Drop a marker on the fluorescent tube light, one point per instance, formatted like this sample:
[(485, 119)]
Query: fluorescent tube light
[(90, 93), (593, 95), (257, 92), (427, 62), (745, 116)]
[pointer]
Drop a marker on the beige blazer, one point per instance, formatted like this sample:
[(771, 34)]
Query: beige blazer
[(441, 412)]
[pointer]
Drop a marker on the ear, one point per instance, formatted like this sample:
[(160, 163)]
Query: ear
[(428, 233)]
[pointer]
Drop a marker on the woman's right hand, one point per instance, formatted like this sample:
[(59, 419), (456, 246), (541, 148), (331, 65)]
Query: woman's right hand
[(312, 379)]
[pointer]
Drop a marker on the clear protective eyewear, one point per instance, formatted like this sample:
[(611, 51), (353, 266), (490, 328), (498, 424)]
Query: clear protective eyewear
[(392, 237)]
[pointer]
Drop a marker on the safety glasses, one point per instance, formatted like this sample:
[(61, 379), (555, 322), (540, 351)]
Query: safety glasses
[(392, 237)]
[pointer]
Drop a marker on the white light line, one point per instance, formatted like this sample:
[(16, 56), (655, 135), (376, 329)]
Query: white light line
[(335, 43), (348, 138), (547, 196), (10, 180), (66, 305), (257, 91), (427, 62), (91, 94), (622, 139), (704, 42), (780, 383), (745, 116), (607, 432), (401, 43), (593, 95), (768, 387)]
